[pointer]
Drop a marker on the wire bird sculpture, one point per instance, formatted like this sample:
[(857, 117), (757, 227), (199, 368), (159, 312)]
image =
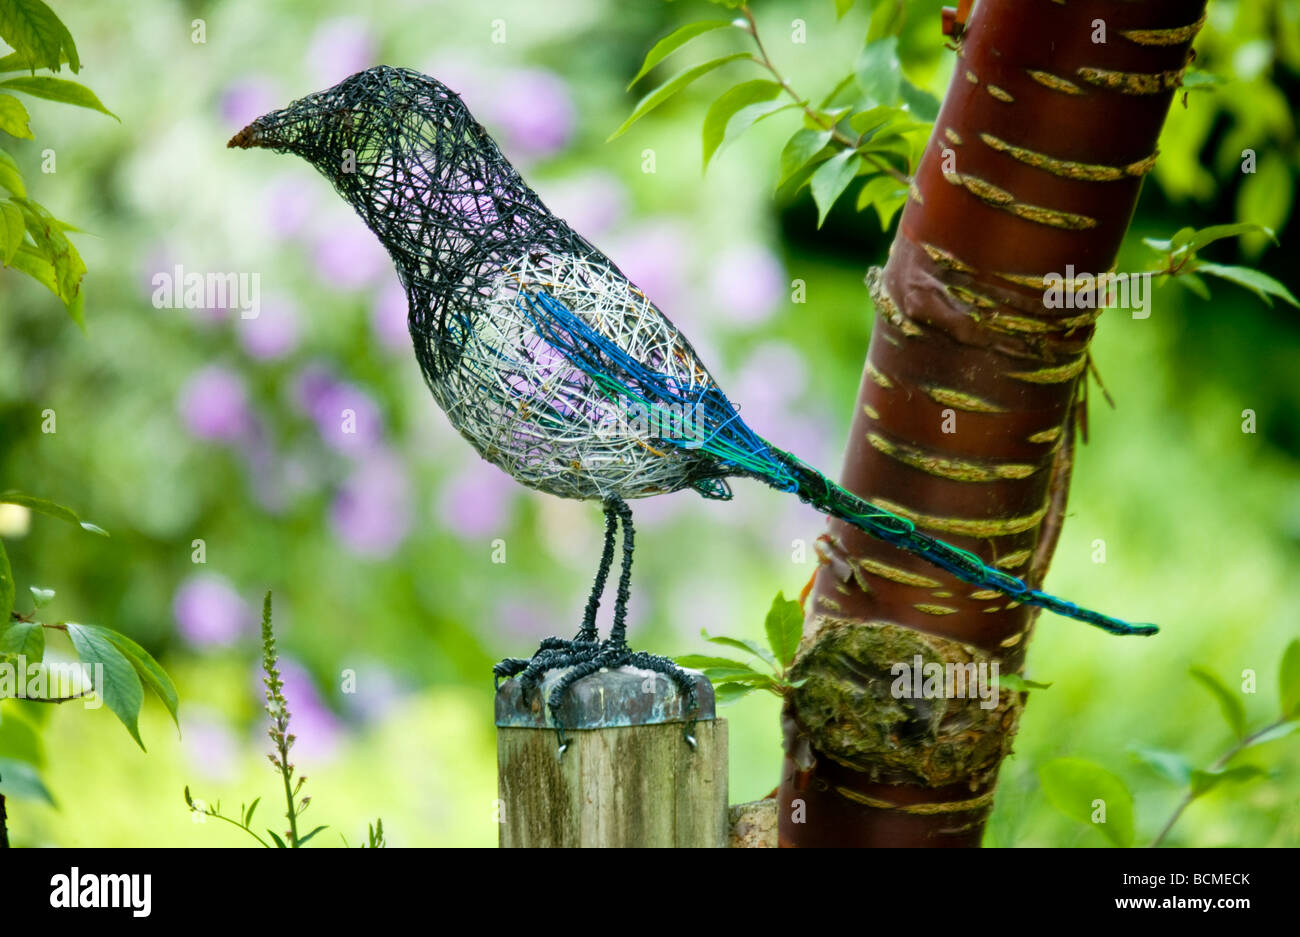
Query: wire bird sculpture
[(546, 358)]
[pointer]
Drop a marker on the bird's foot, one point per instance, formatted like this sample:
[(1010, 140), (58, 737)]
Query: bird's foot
[(584, 657)]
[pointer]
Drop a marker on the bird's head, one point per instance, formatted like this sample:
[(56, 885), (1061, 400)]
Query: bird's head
[(352, 129)]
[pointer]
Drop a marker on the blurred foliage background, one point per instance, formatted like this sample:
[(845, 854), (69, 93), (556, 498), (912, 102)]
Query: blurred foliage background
[(177, 425)]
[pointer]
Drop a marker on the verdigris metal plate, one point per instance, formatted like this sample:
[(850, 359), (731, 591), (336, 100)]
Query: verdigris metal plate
[(628, 696)]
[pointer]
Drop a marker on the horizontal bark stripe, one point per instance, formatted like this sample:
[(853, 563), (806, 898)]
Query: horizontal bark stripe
[(1055, 82), (961, 470), (981, 802), (934, 609), (1057, 375), (946, 259), (879, 377), (969, 526), (1047, 435), (961, 400), (894, 574), (1066, 168), (999, 94), (1012, 560), (1163, 37), (1132, 82), (990, 194)]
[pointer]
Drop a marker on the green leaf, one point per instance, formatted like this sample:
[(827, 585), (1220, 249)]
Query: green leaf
[(1194, 283), (802, 148), (831, 179), (672, 86), (14, 118), (784, 627), (761, 681), (303, 840), (727, 693), (674, 41), (1234, 712), (741, 644), (20, 741), (53, 244), (248, 814), (886, 18), (1272, 735), (842, 7), (1194, 79), (26, 638), (877, 70), (50, 509), (1202, 782), (17, 62), (920, 103), (728, 105), (886, 193), (716, 666), (121, 690), (279, 843), (1289, 681), (58, 89), (41, 597), (1217, 232), (10, 177), (1265, 196), (35, 33), (21, 780), (1018, 684), (1261, 284), (6, 586), (1073, 785), (148, 669), (1171, 766)]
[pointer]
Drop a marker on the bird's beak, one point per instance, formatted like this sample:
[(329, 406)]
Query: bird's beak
[(251, 136)]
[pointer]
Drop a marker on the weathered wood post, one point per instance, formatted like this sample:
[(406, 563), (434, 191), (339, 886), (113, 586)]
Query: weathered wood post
[(627, 778)]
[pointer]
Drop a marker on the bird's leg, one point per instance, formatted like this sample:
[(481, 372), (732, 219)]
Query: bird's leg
[(618, 634), (588, 633), (557, 652)]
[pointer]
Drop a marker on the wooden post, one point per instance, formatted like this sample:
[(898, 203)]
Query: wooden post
[(628, 778)]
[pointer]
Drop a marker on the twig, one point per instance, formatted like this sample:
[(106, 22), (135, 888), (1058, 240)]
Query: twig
[(1220, 763), (837, 135), (4, 829)]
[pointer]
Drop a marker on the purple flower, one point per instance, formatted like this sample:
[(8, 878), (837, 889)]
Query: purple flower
[(247, 99), (209, 744), (274, 333), (477, 501), (213, 405), (210, 612), (526, 616), (748, 283), (316, 728), (592, 202), (340, 47), (347, 417), (537, 116), (377, 691), (371, 514), (388, 317), (347, 255)]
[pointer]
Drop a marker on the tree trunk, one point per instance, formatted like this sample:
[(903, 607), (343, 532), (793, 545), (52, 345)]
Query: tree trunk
[(966, 416)]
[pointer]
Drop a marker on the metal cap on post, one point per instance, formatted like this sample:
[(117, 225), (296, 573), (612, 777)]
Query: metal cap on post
[(628, 776)]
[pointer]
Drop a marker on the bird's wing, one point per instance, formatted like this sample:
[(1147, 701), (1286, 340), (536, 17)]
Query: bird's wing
[(583, 307)]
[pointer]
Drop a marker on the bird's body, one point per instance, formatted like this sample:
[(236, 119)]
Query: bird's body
[(545, 357)]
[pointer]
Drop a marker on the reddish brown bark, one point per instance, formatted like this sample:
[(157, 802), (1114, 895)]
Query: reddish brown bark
[(1047, 136)]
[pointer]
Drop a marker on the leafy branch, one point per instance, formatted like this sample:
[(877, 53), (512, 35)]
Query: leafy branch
[(735, 679), (1180, 261), (1077, 787), (872, 122), (32, 240)]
